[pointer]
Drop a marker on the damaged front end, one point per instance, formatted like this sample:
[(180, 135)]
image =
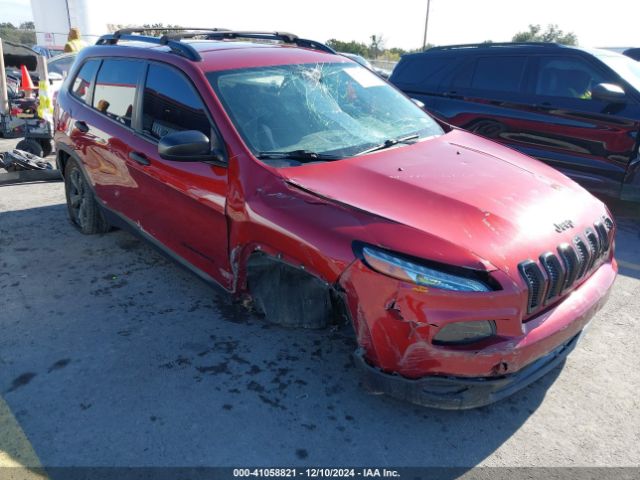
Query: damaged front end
[(458, 349)]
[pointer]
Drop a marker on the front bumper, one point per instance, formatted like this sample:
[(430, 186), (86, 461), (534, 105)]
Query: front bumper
[(398, 357), (459, 393)]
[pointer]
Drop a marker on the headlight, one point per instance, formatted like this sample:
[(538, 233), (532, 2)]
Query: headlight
[(465, 332), (397, 267)]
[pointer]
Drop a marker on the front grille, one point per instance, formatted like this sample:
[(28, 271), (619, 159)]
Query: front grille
[(559, 273)]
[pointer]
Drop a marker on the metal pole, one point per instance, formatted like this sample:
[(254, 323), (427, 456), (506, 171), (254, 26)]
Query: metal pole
[(4, 95), (426, 26), (41, 69), (66, 2)]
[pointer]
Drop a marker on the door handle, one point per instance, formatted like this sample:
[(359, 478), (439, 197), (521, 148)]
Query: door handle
[(82, 126), (141, 158)]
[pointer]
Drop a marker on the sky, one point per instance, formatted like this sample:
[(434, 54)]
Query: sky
[(614, 23)]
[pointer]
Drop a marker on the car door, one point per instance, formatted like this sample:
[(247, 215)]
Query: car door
[(108, 124), (181, 204), (486, 95), (99, 128), (589, 139)]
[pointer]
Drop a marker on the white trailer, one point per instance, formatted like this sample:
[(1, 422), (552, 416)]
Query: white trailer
[(54, 18)]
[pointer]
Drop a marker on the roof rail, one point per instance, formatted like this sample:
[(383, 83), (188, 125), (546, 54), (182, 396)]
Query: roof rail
[(173, 38), (183, 49), (282, 36), (496, 44)]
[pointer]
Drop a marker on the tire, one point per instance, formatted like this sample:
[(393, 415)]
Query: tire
[(47, 147), (30, 145), (84, 211)]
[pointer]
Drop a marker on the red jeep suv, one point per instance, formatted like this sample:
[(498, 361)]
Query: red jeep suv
[(285, 173)]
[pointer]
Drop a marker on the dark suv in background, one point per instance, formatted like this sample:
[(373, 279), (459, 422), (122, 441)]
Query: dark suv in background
[(575, 109)]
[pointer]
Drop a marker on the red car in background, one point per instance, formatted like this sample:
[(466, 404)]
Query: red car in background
[(291, 175)]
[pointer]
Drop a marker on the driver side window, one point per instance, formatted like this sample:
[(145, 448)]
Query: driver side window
[(170, 104), (566, 77)]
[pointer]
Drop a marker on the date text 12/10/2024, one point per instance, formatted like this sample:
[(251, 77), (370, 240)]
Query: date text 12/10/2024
[(316, 472)]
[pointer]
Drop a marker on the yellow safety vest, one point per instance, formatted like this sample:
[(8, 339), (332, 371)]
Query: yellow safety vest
[(74, 45), (45, 105)]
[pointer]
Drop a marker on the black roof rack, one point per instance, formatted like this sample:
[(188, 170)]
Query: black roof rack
[(496, 44), (282, 36), (173, 38)]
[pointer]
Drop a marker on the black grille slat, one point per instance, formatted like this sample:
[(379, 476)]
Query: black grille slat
[(555, 274), (603, 235), (536, 283), (608, 223), (584, 256), (570, 262), (596, 246)]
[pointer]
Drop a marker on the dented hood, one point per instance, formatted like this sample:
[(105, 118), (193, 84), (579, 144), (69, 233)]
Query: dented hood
[(498, 204)]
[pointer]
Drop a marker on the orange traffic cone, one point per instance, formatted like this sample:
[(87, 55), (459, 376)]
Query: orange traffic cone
[(27, 84)]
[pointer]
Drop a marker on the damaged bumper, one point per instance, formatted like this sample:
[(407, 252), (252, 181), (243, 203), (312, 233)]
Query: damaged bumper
[(397, 355), (459, 393)]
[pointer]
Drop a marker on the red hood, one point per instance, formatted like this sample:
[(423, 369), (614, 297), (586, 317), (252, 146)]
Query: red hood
[(496, 203)]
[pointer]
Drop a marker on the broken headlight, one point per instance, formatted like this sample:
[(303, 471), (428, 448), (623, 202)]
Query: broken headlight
[(397, 266), (465, 332)]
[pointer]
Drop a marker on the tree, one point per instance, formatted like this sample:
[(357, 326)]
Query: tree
[(551, 34), (376, 46), (23, 35), (156, 29), (354, 47), (160, 29)]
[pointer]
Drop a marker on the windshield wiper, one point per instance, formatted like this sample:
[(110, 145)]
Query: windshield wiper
[(303, 155), (389, 143)]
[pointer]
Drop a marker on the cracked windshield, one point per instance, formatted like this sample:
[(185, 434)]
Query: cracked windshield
[(318, 112)]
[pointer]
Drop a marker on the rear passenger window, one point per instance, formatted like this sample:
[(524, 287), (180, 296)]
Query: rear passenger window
[(82, 83), (170, 104), (462, 76), (499, 74), (115, 90)]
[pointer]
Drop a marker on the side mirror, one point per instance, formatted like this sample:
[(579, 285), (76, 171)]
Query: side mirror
[(608, 92), (186, 146), (418, 103)]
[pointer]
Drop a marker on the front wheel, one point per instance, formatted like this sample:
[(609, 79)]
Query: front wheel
[(84, 211)]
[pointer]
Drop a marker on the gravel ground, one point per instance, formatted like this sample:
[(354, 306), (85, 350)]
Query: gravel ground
[(112, 355)]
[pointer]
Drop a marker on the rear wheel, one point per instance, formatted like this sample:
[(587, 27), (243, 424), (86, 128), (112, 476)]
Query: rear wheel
[(84, 211), (31, 146)]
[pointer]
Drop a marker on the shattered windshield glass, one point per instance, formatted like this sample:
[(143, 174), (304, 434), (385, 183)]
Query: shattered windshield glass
[(327, 110)]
